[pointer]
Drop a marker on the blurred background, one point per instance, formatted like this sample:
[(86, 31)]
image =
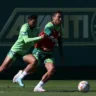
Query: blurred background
[(79, 35)]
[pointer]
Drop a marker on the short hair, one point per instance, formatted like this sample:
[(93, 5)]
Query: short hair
[(32, 17), (57, 13)]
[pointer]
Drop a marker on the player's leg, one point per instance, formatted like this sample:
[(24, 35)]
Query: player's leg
[(50, 71), (31, 60), (8, 60)]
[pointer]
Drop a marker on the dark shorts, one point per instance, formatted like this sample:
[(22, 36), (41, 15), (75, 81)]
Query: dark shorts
[(40, 55)]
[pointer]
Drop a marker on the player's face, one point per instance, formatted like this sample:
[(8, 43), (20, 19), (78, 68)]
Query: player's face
[(57, 19), (32, 23)]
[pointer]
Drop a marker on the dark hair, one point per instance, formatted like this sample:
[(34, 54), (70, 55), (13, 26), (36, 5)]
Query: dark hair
[(32, 17), (56, 13)]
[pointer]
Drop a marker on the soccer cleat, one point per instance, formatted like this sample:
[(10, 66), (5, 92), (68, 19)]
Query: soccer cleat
[(19, 81), (39, 89), (16, 76)]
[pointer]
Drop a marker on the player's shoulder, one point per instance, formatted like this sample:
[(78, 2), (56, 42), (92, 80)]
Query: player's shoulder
[(49, 24), (25, 25)]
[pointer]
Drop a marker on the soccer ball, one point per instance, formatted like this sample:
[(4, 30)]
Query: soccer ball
[(83, 86)]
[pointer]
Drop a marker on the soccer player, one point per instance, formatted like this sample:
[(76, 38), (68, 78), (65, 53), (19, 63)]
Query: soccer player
[(43, 49), (27, 37)]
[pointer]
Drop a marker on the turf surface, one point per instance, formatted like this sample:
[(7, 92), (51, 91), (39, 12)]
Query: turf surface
[(53, 87)]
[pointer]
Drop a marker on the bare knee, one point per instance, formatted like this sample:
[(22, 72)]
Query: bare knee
[(51, 71), (33, 60), (29, 59)]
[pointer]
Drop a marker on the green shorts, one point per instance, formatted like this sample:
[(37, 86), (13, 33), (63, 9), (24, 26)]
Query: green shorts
[(46, 57), (13, 55)]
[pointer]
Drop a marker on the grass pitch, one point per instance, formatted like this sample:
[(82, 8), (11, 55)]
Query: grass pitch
[(53, 87)]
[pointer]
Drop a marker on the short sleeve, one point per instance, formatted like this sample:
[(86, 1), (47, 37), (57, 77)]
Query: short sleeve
[(48, 28)]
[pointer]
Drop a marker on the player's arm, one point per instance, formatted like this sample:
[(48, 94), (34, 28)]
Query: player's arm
[(27, 39), (48, 29)]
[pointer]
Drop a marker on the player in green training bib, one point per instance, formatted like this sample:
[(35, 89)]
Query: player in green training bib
[(28, 36)]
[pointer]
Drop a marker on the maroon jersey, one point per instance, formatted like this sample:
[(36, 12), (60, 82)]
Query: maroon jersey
[(49, 41)]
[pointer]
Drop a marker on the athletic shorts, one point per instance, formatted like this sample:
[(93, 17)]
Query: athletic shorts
[(40, 55), (13, 55)]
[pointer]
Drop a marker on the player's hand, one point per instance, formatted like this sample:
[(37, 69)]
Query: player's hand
[(46, 49), (42, 36)]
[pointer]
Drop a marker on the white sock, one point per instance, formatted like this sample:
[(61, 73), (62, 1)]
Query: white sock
[(23, 74), (40, 84)]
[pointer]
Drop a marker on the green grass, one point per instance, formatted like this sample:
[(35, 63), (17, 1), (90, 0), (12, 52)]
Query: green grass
[(54, 88)]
